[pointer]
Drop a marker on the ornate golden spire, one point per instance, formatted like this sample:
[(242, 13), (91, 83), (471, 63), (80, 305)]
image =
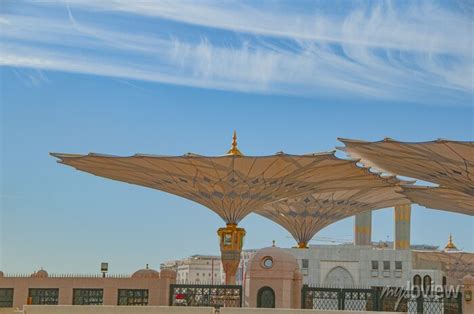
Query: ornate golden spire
[(234, 150), (450, 245)]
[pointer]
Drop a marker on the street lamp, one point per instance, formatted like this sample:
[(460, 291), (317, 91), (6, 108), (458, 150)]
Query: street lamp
[(104, 267)]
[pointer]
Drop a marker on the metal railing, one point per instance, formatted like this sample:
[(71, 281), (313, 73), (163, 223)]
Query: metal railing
[(379, 299), (205, 295)]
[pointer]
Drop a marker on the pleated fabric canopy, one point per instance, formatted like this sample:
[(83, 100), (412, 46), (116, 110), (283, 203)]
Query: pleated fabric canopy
[(441, 198), (449, 164), (304, 216), (232, 185)]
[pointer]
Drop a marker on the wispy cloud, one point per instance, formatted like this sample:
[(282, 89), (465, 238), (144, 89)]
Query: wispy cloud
[(420, 52)]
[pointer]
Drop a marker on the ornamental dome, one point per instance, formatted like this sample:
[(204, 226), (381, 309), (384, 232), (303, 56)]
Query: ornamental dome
[(168, 273), (40, 274), (450, 246), (146, 273), (273, 261)]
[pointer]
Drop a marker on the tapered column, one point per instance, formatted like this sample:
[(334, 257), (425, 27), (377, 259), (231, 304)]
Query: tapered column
[(231, 241), (363, 228), (402, 227)]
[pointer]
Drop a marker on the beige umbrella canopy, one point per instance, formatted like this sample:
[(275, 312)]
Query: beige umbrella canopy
[(441, 198), (447, 163), (450, 164), (232, 185), (304, 216)]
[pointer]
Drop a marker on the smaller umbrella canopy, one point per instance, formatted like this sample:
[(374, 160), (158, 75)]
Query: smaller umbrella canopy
[(304, 216), (441, 198)]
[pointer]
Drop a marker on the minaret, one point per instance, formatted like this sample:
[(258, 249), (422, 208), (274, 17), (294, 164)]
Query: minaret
[(363, 228), (402, 215)]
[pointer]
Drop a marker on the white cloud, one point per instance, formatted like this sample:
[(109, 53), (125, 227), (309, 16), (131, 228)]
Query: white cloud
[(375, 53)]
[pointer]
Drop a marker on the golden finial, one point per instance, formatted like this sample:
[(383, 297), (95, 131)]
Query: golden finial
[(234, 150), (450, 245)]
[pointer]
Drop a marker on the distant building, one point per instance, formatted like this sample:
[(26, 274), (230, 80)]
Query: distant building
[(197, 269), (349, 265), (245, 256)]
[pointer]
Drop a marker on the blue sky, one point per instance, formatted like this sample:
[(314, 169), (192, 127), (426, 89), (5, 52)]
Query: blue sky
[(122, 77)]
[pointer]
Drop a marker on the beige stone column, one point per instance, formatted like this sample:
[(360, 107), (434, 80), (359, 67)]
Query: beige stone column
[(402, 215), (363, 228)]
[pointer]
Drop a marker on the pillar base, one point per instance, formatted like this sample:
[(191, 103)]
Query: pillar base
[(231, 241), (302, 245)]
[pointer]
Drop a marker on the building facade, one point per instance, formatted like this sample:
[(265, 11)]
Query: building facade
[(351, 265), (199, 269), (144, 287)]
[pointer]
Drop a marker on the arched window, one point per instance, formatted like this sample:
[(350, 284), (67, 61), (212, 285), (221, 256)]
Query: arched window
[(426, 283), (416, 282), (266, 298), (339, 277)]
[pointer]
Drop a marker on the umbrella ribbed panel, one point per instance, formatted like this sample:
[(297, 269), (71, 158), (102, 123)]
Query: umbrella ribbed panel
[(304, 216), (449, 164), (441, 198), (231, 186)]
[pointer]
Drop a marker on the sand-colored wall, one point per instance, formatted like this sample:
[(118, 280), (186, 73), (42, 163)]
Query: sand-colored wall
[(8, 310), (105, 309), (158, 288)]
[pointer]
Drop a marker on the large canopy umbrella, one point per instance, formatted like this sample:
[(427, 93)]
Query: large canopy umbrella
[(449, 164), (441, 198), (306, 215), (232, 185)]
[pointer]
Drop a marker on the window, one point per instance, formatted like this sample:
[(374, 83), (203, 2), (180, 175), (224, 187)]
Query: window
[(375, 265), (88, 296), (305, 263), (427, 283), (6, 297), (386, 265), (47, 296), (267, 262), (133, 297), (417, 281), (398, 265)]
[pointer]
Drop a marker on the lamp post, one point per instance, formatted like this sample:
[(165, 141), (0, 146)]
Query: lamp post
[(104, 267)]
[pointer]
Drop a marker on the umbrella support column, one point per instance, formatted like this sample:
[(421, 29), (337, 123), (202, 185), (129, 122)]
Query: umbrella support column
[(302, 245), (231, 240)]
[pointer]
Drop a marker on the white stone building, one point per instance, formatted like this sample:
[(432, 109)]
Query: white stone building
[(351, 265), (199, 269)]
